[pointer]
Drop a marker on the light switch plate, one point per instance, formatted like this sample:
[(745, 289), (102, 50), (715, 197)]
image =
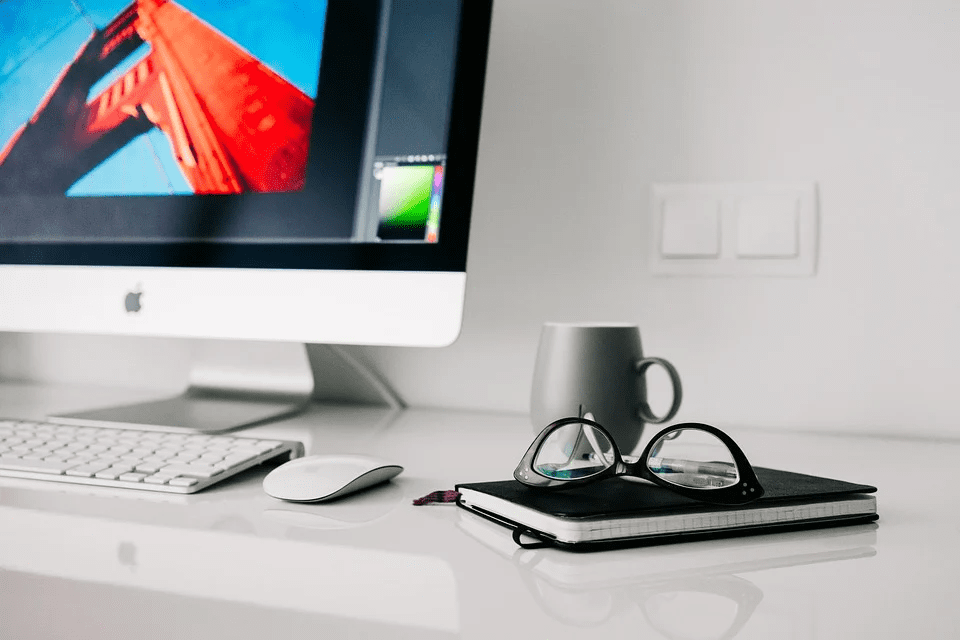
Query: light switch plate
[(691, 228), (760, 229), (767, 227)]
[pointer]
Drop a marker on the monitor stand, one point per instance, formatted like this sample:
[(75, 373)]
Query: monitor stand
[(235, 384)]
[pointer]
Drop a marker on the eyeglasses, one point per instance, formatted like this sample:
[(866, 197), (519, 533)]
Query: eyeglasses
[(695, 460)]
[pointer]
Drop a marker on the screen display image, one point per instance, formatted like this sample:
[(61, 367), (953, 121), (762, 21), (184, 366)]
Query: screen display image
[(157, 97), (170, 133)]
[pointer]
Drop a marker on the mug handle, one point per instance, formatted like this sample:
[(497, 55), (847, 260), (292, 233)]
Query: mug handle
[(644, 409)]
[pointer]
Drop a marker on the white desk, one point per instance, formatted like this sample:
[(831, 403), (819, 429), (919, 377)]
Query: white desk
[(231, 562)]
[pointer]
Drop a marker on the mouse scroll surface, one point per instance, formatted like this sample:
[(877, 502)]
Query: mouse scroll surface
[(326, 477)]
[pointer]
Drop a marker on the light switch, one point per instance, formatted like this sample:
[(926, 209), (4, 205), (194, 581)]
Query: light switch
[(767, 227), (733, 229), (690, 228)]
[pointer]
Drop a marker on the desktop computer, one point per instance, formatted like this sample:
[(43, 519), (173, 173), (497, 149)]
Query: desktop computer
[(250, 180)]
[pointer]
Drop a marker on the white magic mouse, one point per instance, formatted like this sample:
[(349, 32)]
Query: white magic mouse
[(326, 477)]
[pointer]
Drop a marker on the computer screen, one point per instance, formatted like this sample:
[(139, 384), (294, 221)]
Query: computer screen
[(299, 171)]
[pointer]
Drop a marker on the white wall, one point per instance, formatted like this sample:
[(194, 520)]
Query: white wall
[(591, 101)]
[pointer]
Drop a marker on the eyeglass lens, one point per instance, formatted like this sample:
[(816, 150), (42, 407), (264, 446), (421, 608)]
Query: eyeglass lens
[(574, 451), (693, 458)]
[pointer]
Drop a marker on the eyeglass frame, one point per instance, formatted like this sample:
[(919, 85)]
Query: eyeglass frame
[(747, 488)]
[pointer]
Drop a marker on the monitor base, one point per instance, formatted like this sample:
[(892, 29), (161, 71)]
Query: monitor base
[(233, 385)]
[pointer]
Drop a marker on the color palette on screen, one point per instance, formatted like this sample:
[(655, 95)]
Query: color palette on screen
[(410, 202)]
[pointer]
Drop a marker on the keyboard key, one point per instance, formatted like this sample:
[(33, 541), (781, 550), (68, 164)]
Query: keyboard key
[(183, 482), (193, 470), (87, 471), (235, 459), (44, 450), (148, 468), (122, 468), (132, 477)]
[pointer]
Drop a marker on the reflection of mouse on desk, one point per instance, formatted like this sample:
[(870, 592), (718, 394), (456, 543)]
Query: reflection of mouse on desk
[(327, 477)]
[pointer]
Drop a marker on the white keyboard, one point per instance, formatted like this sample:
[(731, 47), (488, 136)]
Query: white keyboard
[(130, 458)]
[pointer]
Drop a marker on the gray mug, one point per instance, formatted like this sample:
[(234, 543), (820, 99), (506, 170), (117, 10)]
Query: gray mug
[(596, 368)]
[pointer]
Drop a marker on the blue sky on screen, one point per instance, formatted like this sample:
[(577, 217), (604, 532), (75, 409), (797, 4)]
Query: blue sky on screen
[(38, 39)]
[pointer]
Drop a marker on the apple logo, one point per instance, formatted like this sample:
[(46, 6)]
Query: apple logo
[(132, 302), (127, 555)]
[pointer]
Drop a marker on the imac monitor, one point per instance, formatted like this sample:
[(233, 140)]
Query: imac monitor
[(212, 169)]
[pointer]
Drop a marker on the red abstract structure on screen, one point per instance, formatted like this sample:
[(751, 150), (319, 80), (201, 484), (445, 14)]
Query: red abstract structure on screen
[(234, 125)]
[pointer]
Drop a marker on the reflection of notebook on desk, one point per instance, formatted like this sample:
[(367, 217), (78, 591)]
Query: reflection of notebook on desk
[(715, 578), (622, 512)]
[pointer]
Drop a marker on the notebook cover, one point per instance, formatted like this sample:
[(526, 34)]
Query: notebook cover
[(621, 498)]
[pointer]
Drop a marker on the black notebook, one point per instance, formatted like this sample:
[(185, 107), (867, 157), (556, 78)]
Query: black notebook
[(624, 512)]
